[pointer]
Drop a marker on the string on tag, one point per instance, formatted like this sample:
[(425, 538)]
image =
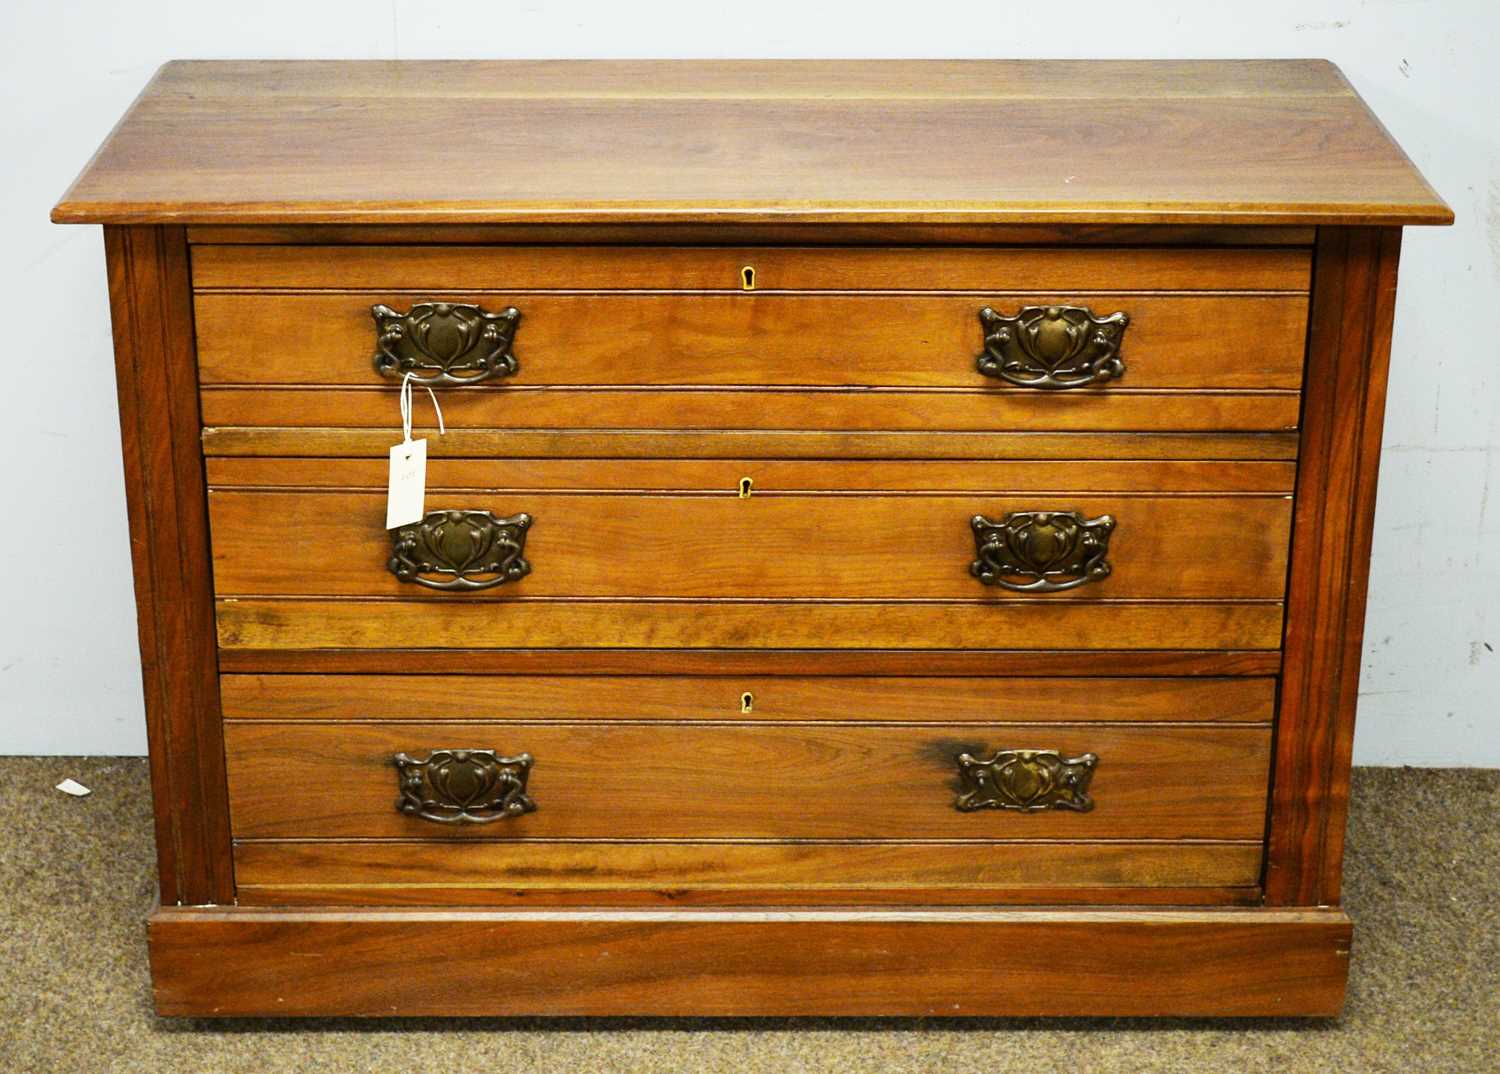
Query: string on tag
[(406, 409)]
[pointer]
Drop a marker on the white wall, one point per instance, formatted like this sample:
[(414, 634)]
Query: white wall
[(69, 681)]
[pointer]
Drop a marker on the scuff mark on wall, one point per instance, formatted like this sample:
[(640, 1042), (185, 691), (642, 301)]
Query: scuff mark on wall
[(1338, 24), (1484, 500), (1492, 217)]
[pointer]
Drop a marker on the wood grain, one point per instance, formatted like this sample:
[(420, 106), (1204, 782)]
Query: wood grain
[(787, 444), (859, 80), (296, 623), (150, 307), (518, 268), (758, 780), (770, 476), (759, 339), (297, 145), (214, 962), (637, 697), (862, 409), (923, 663), (753, 339), (898, 547), (1348, 361), (730, 233), (706, 873)]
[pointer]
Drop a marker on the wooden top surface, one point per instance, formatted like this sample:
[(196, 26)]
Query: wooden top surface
[(921, 142)]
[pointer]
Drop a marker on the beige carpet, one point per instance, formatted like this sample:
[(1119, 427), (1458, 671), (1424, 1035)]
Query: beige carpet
[(1423, 884)]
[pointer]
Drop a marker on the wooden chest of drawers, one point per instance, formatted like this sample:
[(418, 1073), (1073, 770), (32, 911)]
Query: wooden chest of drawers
[(897, 544)]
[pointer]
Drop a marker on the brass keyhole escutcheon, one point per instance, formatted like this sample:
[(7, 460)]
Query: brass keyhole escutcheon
[(747, 487), (747, 278), (747, 702)]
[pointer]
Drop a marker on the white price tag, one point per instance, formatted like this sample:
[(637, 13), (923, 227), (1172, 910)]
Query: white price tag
[(405, 502)]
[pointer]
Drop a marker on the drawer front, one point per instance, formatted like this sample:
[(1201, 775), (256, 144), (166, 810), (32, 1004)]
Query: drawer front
[(895, 341), (767, 546), (859, 340), (596, 779), (771, 789), (817, 560)]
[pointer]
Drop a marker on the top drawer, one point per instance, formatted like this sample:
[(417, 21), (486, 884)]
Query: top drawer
[(1222, 319)]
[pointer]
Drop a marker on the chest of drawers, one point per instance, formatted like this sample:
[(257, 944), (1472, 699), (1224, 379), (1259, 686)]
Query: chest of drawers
[(897, 544)]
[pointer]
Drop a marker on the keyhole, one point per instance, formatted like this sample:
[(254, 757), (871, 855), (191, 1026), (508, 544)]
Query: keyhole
[(747, 278), (747, 486), (747, 702)]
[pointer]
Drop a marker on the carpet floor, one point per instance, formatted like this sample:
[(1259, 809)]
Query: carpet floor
[(1422, 883)]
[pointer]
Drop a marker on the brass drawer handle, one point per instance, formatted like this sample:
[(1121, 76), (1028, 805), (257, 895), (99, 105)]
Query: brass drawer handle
[(1028, 781), (445, 343), (460, 550), (1052, 347), (1041, 551), (463, 786)]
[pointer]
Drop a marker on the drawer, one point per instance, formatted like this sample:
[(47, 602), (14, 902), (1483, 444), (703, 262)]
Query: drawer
[(1223, 341), (812, 560), (641, 785), (860, 340), (871, 546), (839, 759), (594, 779)]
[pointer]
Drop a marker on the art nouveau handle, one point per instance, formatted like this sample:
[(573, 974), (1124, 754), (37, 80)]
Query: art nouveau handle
[(1028, 781), (460, 550), (1052, 347), (1041, 551), (463, 786), (445, 343)]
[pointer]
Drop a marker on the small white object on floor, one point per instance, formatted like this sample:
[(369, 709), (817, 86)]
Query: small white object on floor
[(73, 787)]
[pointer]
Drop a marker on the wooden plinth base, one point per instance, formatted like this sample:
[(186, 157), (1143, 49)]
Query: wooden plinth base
[(215, 961)]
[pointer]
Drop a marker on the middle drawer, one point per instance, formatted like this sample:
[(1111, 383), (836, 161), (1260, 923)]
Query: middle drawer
[(1084, 535)]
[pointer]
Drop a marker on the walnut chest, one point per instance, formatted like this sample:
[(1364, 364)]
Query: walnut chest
[(897, 545)]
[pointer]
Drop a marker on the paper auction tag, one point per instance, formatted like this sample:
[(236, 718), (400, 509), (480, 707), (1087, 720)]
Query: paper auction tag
[(407, 492), (405, 502)]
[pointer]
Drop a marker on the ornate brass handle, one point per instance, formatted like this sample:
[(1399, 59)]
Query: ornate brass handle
[(460, 550), (445, 343), (463, 786), (1052, 347), (1028, 781), (1041, 551)]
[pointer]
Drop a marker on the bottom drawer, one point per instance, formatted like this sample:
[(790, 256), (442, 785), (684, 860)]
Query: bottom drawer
[(930, 794)]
